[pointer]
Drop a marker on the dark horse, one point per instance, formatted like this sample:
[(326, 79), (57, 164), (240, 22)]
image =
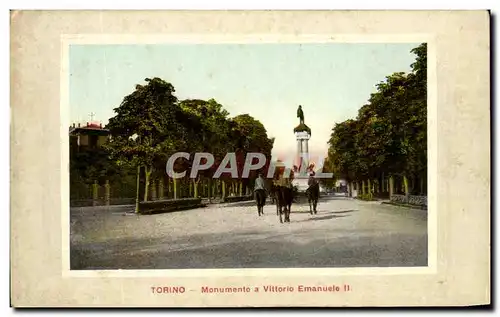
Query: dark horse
[(272, 193), (284, 199), (273, 189), (260, 198), (312, 197)]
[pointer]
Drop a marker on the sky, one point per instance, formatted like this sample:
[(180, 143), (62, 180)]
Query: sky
[(268, 81)]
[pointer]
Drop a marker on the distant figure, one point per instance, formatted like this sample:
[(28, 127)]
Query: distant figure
[(300, 114), (260, 194)]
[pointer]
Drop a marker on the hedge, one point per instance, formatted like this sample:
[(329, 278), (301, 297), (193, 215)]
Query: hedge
[(168, 205), (234, 199)]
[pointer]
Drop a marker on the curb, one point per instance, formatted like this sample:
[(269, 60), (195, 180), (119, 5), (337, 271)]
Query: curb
[(405, 205)]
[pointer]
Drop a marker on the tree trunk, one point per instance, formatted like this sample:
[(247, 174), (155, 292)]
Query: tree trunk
[(421, 186), (169, 188), (95, 193), (209, 188), (161, 188), (138, 189), (195, 188), (153, 190), (391, 186), (174, 183), (406, 187), (223, 189), (146, 185), (107, 192)]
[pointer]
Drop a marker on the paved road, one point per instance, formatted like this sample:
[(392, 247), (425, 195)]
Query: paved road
[(344, 233)]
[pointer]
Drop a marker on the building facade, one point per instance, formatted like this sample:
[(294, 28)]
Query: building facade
[(89, 137)]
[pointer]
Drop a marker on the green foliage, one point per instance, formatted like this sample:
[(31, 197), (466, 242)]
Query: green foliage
[(153, 114), (328, 167), (389, 135), (249, 135), (151, 124)]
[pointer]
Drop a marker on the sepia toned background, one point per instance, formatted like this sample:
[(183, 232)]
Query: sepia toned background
[(459, 165)]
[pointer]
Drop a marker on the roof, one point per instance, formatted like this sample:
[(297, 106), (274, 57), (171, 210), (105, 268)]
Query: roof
[(91, 128), (302, 128)]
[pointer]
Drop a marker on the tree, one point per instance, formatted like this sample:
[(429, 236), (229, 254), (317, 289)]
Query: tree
[(210, 131), (342, 153), (250, 135), (328, 167), (151, 113), (151, 124), (388, 137)]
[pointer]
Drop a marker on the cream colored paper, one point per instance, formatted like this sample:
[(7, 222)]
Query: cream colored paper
[(458, 141)]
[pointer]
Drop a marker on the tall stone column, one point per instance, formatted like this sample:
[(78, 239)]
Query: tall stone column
[(306, 152), (299, 151), (299, 146)]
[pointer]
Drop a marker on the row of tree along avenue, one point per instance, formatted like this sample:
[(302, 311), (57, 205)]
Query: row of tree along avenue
[(385, 148), (150, 125)]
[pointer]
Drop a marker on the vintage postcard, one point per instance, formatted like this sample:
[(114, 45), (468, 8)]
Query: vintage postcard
[(250, 159)]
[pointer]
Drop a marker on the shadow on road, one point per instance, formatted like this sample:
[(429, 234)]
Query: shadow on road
[(324, 212), (344, 211), (328, 217)]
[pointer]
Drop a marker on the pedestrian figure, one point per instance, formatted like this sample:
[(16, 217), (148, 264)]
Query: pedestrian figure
[(260, 194)]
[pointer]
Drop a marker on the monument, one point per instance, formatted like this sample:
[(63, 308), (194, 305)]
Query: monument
[(302, 136)]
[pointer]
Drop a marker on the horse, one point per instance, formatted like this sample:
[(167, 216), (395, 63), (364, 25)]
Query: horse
[(284, 199), (272, 194), (313, 196), (260, 198)]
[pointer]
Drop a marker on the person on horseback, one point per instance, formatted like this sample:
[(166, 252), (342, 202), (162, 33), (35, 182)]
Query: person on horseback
[(312, 180), (312, 192), (283, 182)]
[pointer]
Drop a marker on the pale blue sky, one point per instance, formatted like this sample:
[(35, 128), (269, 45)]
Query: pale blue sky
[(268, 81)]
